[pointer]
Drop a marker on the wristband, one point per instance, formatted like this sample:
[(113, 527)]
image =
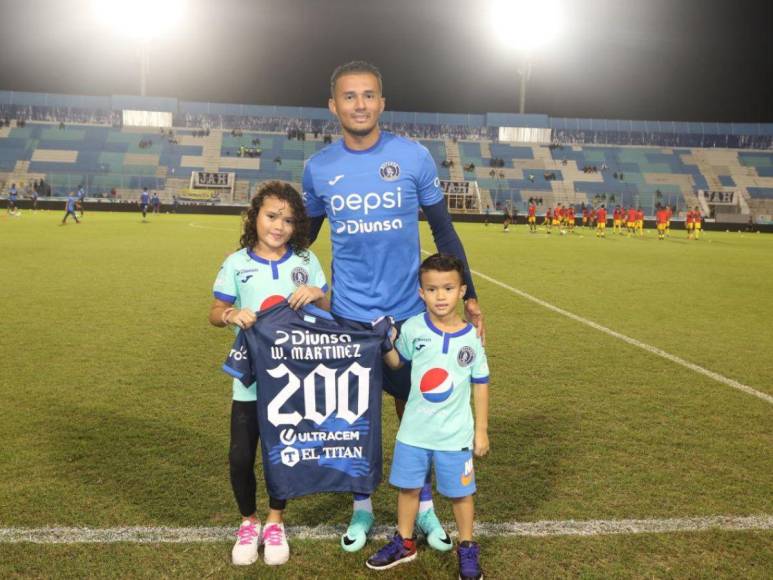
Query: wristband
[(225, 314)]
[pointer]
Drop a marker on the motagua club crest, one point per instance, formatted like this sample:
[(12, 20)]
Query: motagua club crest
[(389, 171), (299, 276)]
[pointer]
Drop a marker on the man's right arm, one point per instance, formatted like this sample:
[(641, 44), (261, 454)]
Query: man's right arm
[(315, 226), (314, 206)]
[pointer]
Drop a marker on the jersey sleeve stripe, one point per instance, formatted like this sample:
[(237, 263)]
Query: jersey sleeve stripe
[(479, 380), (233, 372), (402, 358), (224, 297), (324, 288)]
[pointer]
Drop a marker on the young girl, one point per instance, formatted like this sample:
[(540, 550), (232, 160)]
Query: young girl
[(273, 263)]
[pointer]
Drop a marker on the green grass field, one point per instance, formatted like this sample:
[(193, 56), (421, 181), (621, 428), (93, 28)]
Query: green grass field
[(115, 412)]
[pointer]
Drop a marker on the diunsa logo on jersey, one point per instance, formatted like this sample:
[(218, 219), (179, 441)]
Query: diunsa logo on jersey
[(299, 276), (389, 170), (466, 356)]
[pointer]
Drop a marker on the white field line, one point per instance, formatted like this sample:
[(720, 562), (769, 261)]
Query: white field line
[(153, 535), (632, 341), (201, 227)]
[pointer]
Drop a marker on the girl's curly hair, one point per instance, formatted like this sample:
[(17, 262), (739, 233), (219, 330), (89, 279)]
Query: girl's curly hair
[(299, 241)]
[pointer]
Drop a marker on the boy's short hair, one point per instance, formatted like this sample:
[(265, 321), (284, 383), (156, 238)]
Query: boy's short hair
[(354, 67), (442, 263)]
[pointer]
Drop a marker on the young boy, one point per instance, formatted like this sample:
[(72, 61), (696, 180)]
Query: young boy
[(437, 427)]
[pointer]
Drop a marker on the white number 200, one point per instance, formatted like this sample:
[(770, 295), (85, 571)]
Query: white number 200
[(336, 395)]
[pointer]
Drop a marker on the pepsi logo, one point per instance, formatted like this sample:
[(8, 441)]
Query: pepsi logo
[(436, 385), (271, 301)]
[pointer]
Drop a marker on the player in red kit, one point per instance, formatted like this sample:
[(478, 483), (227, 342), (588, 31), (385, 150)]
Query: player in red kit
[(661, 216), (532, 218), (601, 222), (688, 223)]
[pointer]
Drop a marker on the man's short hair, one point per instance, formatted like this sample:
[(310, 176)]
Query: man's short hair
[(442, 263), (354, 67)]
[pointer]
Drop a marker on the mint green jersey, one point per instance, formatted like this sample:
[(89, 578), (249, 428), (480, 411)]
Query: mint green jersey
[(248, 281), (438, 414)]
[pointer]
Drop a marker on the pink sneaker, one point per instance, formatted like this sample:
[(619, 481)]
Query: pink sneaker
[(276, 551), (245, 550)]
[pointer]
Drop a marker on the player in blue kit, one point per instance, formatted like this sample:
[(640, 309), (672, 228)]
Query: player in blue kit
[(371, 186), (144, 200), (273, 263), (69, 209), (437, 428), (13, 197), (81, 199)]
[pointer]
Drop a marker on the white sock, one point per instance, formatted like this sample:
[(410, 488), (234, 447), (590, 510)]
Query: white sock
[(363, 504), (425, 505)]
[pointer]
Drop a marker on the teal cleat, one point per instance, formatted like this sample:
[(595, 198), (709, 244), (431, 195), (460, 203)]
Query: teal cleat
[(429, 524), (357, 533)]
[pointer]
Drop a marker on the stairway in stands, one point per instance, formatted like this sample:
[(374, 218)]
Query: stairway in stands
[(452, 154), (212, 146)]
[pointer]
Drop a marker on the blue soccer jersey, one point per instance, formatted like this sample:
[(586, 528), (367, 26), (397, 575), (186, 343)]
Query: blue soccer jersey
[(438, 413), (70, 203), (319, 401), (248, 281), (372, 199), (144, 198)]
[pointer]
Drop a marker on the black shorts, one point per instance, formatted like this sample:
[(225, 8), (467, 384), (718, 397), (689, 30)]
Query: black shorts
[(396, 383)]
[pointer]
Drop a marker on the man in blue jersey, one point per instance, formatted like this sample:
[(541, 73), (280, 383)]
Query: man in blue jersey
[(155, 203), (371, 185), (70, 209), (13, 196), (144, 200), (81, 199)]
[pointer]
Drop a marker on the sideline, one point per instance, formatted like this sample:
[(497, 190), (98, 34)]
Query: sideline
[(154, 535)]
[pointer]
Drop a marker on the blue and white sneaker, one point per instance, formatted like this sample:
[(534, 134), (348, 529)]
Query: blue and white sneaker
[(357, 533), (397, 551), (469, 564), (429, 524)]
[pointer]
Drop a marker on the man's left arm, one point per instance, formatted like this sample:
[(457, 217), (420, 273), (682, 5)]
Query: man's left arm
[(448, 242)]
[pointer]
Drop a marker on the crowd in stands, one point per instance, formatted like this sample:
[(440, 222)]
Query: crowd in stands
[(249, 151), (6, 122), (582, 137), (297, 127), (60, 114), (560, 138)]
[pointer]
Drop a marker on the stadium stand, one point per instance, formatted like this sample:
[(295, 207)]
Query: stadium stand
[(587, 161)]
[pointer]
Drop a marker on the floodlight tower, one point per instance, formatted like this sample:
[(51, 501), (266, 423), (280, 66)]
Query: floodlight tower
[(524, 27), (140, 21)]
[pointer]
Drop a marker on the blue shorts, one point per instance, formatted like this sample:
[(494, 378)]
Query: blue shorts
[(396, 383), (454, 472)]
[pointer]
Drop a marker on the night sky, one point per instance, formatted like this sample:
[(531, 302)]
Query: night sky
[(683, 60)]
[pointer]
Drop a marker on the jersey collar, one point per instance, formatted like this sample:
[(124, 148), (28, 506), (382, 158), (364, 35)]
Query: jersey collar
[(273, 263), (447, 336), (260, 260), (436, 330), (363, 151)]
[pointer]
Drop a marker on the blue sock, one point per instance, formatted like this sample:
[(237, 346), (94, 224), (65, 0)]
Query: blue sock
[(425, 497), (362, 502)]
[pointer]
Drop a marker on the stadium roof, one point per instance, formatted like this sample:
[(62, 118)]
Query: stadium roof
[(683, 60)]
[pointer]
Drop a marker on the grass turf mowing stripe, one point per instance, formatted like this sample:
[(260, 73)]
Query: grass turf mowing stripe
[(632, 341), (152, 535)]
